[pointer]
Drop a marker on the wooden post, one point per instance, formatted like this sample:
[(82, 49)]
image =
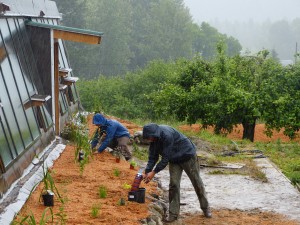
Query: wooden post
[(56, 87)]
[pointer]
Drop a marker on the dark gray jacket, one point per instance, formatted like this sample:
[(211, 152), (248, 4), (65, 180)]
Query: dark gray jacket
[(171, 145)]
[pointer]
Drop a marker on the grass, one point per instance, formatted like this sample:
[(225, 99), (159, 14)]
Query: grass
[(286, 156), (140, 152)]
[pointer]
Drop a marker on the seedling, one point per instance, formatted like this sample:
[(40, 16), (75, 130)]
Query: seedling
[(116, 172), (121, 201), (31, 220), (102, 192), (49, 185), (95, 210), (126, 186), (133, 163)]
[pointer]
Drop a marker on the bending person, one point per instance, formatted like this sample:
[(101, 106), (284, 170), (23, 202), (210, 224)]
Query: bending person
[(116, 136)]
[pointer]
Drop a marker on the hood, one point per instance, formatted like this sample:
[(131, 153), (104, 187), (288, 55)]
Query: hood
[(99, 119), (151, 130)]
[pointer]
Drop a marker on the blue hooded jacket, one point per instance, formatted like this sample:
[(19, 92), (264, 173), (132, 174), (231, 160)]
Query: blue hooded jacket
[(112, 128), (171, 145)]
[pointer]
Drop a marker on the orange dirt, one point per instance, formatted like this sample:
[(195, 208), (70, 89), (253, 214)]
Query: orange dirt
[(81, 194), (237, 133)]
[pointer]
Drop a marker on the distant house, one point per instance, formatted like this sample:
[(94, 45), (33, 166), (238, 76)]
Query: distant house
[(37, 86)]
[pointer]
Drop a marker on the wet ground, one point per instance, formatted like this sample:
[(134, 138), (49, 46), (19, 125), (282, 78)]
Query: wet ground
[(243, 193)]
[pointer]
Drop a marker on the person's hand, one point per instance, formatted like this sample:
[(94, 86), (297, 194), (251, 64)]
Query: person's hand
[(96, 153), (148, 177)]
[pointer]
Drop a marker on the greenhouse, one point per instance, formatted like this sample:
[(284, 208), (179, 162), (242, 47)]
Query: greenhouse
[(37, 86)]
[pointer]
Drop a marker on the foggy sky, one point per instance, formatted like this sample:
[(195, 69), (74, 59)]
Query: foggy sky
[(243, 10)]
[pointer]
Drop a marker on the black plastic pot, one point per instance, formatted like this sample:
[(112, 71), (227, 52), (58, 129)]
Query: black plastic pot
[(48, 199), (137, 196)]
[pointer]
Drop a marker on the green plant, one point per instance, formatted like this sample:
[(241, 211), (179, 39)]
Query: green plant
[(140, 153), (61, 215), (102, 191), (255, 172), (121, 201), (31, 220), (133, 163), (116, 172), (95, 210), (49, 184), (126, 186)]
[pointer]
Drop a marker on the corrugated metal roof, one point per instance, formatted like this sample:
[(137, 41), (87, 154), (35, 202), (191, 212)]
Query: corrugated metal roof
[(31, 8)]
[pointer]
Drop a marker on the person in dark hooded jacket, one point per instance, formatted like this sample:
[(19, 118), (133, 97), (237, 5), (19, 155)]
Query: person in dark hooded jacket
[(179, 152), (116, 135)]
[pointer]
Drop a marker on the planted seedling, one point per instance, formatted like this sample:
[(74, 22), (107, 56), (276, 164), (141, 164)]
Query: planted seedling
[(95, 210), (121, 201), (116, 172), (133, 164), (30, 219), (49, 188), (102, 191), (126, 186)]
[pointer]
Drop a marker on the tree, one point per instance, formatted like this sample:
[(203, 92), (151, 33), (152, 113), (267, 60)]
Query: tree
[(282, 102), (225, 92)]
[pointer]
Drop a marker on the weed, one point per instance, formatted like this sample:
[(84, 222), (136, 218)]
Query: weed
[(226, 172), (255, 172)]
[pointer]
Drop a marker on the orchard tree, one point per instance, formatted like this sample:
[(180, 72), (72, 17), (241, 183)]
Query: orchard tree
[(282, 101), (225, 92)]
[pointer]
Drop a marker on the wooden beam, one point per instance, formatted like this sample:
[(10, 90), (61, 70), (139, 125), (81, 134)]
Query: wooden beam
[(56, 86), (78, 37)]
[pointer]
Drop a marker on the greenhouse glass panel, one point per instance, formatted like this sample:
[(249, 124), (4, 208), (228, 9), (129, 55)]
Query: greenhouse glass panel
[(62, 103), (7, 115), (5, 152), (13, 92), (20, 84)]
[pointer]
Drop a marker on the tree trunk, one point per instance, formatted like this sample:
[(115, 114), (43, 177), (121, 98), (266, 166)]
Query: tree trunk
[(249, 129)]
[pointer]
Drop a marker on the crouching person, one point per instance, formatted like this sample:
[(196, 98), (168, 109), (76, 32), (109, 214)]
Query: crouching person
[(179, 152), (116, 136)]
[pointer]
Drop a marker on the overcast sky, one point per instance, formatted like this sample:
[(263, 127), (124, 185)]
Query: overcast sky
[(243, 10)]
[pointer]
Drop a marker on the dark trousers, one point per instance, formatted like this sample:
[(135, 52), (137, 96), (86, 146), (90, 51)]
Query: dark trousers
[(191, 167)]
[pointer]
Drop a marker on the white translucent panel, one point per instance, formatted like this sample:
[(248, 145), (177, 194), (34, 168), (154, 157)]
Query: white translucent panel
[(5, 151)]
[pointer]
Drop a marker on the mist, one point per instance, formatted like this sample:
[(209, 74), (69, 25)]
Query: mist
[(257, 24), (243, 10)]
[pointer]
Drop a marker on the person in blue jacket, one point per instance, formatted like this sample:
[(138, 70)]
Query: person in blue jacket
[(179, 152), (116, 136)]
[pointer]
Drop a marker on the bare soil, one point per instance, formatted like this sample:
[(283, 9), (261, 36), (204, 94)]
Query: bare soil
[(81, 192)]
